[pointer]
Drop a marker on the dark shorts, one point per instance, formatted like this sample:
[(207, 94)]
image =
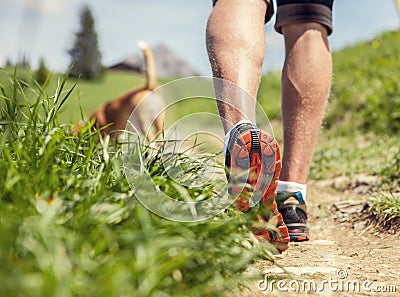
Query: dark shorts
[(300, 11)]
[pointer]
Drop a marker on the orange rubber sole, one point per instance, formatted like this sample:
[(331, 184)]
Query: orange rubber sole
[(256, 153)]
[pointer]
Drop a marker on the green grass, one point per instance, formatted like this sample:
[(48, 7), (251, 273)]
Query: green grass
[(365, 93), (388, 206), (269, 95), (88, 94), (348, 156), (71, 226)]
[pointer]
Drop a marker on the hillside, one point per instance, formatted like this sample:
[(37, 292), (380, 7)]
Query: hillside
[(168, 63), (365, 93), (366, 86)]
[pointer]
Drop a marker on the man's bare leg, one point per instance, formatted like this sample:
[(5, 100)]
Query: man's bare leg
[(306, 82), (236, 48)]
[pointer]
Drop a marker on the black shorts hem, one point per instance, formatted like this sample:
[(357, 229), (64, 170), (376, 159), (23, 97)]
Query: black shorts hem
[(303, 12)]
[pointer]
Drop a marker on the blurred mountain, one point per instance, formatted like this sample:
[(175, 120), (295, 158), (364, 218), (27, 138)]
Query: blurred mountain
[(168, 64)]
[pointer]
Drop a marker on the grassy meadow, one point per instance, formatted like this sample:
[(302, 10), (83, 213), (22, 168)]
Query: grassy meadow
[(87, 94), (70, 224)]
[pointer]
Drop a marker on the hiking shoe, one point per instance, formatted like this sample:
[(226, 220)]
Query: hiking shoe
[(253, 165), (294, 213)]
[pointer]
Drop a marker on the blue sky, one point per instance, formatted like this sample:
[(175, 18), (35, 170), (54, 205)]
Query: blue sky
[(44, 28)]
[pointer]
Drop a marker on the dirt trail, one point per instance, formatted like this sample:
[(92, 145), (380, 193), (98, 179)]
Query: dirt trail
[(341, 259)]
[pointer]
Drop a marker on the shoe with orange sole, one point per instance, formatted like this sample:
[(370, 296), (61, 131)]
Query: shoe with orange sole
[(253, 165)]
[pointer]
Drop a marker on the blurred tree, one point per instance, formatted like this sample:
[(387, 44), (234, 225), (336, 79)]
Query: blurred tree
[(42, 72), (9, 63), (85, 54), (23, 61)]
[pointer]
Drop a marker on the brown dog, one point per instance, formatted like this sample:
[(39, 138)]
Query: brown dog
[(112, 117)]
